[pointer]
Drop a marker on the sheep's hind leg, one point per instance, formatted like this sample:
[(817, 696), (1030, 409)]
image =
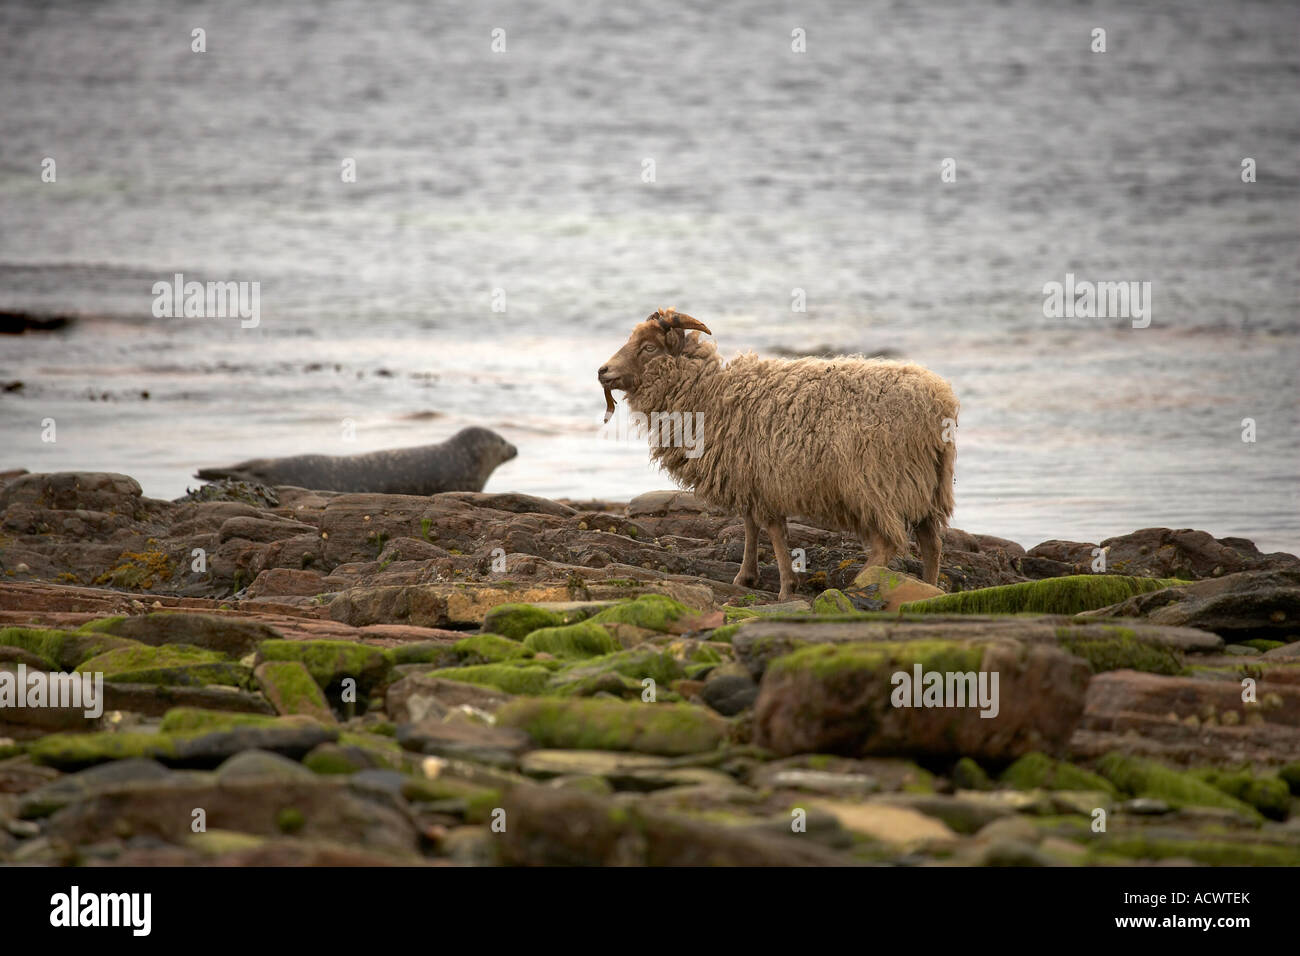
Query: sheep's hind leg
[(748, 576), (879, 551), (929, 540), (781, 548)]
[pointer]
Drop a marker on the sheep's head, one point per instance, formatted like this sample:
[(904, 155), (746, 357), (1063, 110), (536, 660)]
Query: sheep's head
[(663, 333)]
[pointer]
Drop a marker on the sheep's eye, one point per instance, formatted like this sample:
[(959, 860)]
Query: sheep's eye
[(648, 347)]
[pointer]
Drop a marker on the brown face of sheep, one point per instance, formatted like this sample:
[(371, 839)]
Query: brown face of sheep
[(663, 333)]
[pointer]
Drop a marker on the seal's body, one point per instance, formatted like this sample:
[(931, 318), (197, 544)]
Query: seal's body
[(461, 463)]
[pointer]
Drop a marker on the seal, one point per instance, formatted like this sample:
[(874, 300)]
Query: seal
[(461, 463)]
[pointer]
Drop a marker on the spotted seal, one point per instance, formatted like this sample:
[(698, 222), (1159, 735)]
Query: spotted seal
[(461, 463)]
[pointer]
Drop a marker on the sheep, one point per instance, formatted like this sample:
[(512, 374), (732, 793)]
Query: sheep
[(862, 445)]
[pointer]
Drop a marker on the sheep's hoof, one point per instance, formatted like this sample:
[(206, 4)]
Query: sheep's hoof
[(784, 596), (743, 580)]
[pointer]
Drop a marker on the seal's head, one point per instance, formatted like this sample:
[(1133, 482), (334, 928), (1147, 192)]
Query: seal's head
[(662, 333), (482, 450)]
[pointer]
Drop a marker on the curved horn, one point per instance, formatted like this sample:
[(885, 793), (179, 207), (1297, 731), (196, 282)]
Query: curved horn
[(672, 319)]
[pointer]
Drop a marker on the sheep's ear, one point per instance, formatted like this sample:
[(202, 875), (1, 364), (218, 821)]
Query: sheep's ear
[(674, 341)]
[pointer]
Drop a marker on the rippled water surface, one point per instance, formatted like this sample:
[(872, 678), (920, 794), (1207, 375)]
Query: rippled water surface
[(522, 172)]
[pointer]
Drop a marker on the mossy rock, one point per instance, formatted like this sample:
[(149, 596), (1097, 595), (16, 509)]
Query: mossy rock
[(1036, 771), (1262, 644), (489, 649), (626, 668), (601, 724), (967, 774), (291, 689), (1147, 778), (827, 660), (585, 639), (172, 664), (517, 621), (83, 750), (439, 653), (724, 634), (653, 611), (1065, 595), (1208, 851), (1291, 775), (1121, 651), (354, 752), (64, 650), (1267, 793), (195, 720), (531, 679), (833, 601), (330, 662)]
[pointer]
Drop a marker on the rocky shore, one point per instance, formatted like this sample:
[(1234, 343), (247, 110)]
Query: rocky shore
[(300, 677)]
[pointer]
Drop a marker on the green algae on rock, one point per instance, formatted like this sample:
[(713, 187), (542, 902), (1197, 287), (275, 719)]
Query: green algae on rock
[(858, 699), (600, 724), (652, 611), (585, 639), (1037, 771), (489, 649), (1147, 778), (517, 621), (330, 662), (291, 689), (1267, 793), (513, 677), (64, 650), (1121, 651), (174, 664), (1065, 595), (833, 601)]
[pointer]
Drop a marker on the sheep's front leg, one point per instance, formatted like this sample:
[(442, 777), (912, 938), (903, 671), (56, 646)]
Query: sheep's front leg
[(781, 547), (748, 576)]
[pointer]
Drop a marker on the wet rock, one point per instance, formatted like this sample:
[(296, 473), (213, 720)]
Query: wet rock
[(547, 826), (415, 698), (173, 665), (193, 739), (729, 694), (321, 808), (495, 746), (259, 764), (291, 689), (894, 587), (1237, 607), (226, 635), (837, 699), (595, 724), (154, 700)]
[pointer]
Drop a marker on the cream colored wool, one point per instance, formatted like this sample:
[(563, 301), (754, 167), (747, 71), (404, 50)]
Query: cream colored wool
[(850, 443)]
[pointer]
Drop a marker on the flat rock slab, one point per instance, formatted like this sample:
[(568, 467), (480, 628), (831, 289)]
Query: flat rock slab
[(417, 697), (494, 746), (153, 700), (898, 826), (322, 809), (758, 642), (551, 826), (830, 699), (1198, 701)]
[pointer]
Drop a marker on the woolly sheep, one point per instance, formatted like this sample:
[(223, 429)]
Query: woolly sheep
[(858, 444)]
